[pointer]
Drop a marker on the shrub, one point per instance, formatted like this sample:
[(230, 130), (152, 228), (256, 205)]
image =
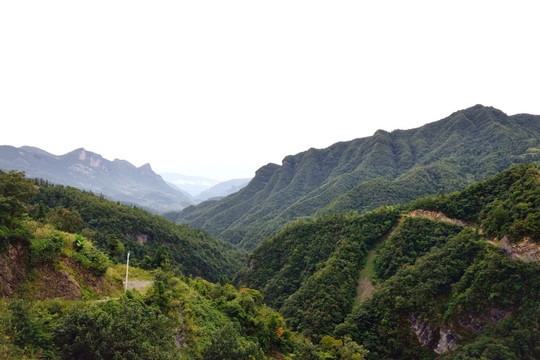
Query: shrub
[(90, 257), (43, 251)]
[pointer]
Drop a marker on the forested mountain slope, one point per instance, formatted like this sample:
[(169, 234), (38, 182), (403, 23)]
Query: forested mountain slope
[(193, 251), (117, 228), (363, 174), (63, 298), (456, 275)]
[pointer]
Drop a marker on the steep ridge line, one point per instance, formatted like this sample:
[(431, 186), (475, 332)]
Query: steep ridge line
[(388, 168)]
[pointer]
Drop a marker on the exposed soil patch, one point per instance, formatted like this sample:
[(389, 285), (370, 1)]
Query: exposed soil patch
[(139, 285), (365, 286), (526, 250), (12, 269), (69, 280), (436, 216), (65, 278)]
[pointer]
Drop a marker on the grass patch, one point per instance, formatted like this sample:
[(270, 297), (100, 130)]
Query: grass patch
[(367, 277), (118, 272), (369, 269)]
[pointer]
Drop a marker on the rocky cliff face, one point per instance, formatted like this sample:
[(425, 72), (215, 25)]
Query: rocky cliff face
[(526, 250), (444, 338)]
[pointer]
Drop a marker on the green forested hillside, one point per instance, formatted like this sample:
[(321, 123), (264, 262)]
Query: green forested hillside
[(315, 265), (106, 223), (116, 228), (452, 276), (455, 274), (363, 174), (62, 298)]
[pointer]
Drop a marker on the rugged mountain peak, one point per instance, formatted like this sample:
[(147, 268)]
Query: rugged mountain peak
[(82, 154), (123, 163), (381, 132), (266, 171), (146, 167), (118, 180)]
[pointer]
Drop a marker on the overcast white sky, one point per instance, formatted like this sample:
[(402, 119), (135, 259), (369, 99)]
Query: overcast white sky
[(220, 88)]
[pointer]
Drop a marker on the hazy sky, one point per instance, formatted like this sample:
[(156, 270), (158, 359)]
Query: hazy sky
[(220, 88)]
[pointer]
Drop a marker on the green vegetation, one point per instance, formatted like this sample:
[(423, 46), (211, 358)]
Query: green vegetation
[(46, 250), (116, 229), (54, 312), (88, 256), (479, 295), (15, 194), (311, 268), (179, 318), (412, 239), (507, 204), (449, 276), (431, 272), (363, 174)]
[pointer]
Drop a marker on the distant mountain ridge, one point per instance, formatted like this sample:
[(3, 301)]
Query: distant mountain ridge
[(201, 188), (222, 189), (118, 180), (191, 184), (363, 174)]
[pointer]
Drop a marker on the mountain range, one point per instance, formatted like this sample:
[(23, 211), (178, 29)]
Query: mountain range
[(365, 173), (117, 180), (451, 276), (333, 271)]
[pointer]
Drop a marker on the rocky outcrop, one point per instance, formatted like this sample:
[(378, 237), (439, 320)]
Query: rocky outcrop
[(141, 238), (445, 338), (423, 330), (447, 342), (440, 341), (526, 250)]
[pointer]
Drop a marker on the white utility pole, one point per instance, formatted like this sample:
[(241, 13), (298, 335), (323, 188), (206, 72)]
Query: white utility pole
[(127, 269)]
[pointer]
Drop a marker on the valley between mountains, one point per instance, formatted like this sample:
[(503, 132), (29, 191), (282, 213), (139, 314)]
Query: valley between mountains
[(410, 244)]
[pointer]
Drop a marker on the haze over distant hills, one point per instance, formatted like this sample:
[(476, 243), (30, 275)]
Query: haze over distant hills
[(222, 189), (191, 184), (118, 180), (362, 174), (201, 188)]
